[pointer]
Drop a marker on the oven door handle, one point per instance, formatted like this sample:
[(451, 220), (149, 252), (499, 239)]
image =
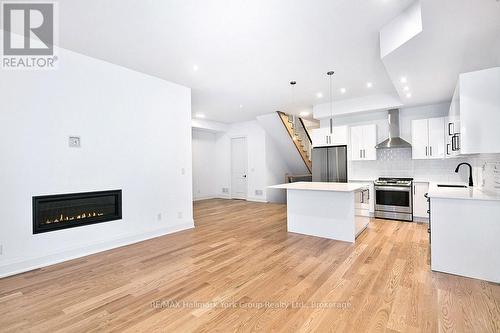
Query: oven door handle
[(393, 188)]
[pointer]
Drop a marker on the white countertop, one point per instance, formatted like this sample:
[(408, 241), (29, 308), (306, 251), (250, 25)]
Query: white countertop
[(322, 186), (363, 180), (469, 193)]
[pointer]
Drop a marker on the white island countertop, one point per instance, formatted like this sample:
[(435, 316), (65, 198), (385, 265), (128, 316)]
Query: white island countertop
[(469, 193), (322, 186)]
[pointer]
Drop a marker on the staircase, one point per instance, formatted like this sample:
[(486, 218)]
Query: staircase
[(300, 137)]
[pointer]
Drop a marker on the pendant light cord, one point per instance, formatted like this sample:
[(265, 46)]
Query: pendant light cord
[(330, 74)]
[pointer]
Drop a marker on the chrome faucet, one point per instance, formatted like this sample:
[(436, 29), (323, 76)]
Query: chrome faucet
[(470, 172)]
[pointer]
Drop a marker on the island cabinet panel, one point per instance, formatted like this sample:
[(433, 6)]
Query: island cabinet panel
[(464, 237)]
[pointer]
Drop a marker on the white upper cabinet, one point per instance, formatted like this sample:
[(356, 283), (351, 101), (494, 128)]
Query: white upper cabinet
[(428, 138), (322, 137), (420, 139), (369, 142), (436, 137), (363, 142), (452, 147), (478, 108)]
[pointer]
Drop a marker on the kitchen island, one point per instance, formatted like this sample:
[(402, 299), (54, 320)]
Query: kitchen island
[(331, 210), (464, 225)]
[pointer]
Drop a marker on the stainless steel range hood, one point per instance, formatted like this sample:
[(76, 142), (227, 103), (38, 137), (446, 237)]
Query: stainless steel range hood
[(394, 140)]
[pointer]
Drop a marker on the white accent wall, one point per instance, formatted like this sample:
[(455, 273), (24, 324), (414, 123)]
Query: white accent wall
[(135, 135)]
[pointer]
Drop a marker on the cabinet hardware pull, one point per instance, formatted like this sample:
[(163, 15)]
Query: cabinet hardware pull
[(426, 151), (451, 128), (430, 149), (447, 149)]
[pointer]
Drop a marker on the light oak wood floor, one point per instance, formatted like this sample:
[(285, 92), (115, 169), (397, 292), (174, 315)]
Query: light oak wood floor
[(239, 270)]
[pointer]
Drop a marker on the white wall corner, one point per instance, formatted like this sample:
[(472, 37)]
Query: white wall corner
[(208, 125), (368, 103), (401, 29)]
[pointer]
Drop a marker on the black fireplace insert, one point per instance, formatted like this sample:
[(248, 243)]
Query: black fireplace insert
[(62, 211)]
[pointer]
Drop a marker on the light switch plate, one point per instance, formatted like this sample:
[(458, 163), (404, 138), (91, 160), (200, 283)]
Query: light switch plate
[(74, 142)]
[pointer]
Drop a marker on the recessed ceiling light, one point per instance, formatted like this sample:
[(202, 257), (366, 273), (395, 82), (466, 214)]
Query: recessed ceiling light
[(403, 79), (406, 88), (408, 95), (241, 106), (343, 90), (195, 68), (199, 115), (304, 113), (369, 84), (319, 95)]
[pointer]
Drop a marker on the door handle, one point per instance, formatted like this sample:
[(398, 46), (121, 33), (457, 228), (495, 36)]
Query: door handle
[(450, 130)]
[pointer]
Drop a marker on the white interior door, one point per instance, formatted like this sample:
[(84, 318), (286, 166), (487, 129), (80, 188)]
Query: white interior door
[(239, 163)]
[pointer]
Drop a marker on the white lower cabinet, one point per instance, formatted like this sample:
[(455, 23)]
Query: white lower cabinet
[(420, 205)]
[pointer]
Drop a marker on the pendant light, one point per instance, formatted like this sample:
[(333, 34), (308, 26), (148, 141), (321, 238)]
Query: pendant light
[(330, 74)]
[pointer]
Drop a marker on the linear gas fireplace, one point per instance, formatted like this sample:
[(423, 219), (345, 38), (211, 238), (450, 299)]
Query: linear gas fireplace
[(55, 212)]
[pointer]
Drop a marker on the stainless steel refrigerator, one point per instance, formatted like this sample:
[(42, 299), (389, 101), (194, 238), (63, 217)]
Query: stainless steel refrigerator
[(329, 164)]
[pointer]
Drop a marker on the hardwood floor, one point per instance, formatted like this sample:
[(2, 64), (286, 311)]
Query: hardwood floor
[(239, 257)]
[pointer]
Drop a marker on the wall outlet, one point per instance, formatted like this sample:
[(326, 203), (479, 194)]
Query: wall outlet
[(225, 190), (159, 217), (179, 215), (74, 142), (259, 192)]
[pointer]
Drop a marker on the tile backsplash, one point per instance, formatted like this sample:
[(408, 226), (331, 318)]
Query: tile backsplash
[(398, 163)]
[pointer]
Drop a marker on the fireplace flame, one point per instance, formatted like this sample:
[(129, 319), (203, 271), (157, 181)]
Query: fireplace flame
[(63, 218)]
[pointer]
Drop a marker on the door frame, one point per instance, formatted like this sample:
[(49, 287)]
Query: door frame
[(231, 164)]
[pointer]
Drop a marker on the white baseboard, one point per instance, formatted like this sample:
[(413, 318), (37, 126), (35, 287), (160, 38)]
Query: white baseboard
[(20, 266), (254, 199), (204, 197)]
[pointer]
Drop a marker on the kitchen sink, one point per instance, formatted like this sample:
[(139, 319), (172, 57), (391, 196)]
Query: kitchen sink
[(456, 186)]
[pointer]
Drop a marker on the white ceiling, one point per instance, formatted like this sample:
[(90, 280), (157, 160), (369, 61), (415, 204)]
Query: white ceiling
[(458, 36), (248, 51)]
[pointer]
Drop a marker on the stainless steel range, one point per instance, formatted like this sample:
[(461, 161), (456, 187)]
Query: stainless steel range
[(394, 199)]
